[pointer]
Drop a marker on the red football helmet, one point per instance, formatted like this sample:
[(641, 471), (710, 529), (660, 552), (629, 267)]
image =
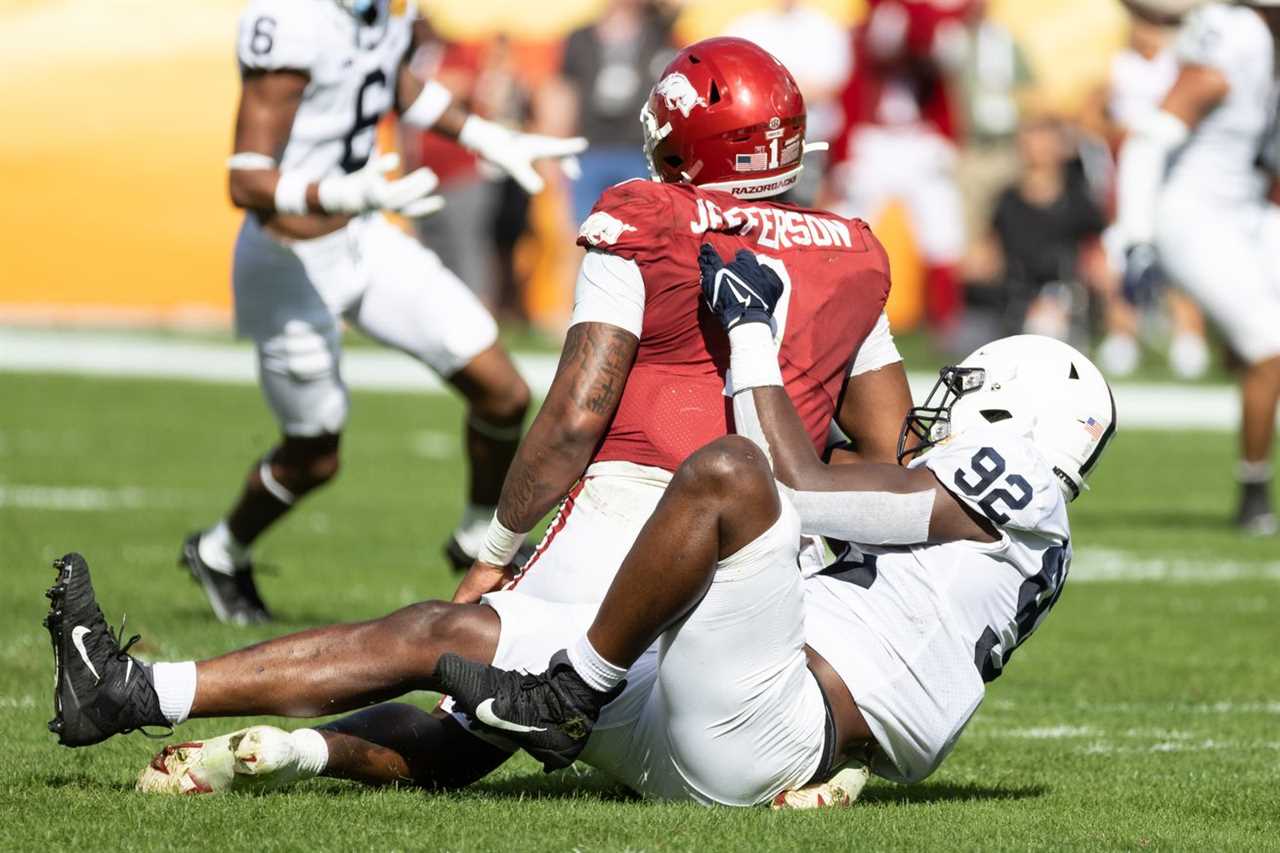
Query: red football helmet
[(726, 115)]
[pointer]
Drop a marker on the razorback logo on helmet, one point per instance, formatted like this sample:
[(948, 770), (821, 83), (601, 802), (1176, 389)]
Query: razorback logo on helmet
[(600, 227), (678, 94)]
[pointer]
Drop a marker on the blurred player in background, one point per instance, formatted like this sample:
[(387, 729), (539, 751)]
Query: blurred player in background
[(485, 213), (1193, 192), (900, 133), (1141, 75), (315, 249)]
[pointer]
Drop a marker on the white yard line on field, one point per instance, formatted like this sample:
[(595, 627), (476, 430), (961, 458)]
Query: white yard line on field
[(1164, 406), (1103, 565), (82, 498)]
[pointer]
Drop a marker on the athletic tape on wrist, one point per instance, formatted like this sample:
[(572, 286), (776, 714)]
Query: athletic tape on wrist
[(753, 358), (291, 193), (500, 544), (427, 108)]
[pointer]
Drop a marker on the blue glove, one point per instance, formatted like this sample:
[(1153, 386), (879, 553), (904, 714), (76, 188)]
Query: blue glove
[(742, 291), (1143, 276)]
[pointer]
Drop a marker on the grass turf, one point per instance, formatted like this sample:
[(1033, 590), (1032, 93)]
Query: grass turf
[(1144, 714)]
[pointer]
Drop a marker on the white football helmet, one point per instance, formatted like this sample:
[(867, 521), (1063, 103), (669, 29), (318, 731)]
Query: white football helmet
[(1037, 386)]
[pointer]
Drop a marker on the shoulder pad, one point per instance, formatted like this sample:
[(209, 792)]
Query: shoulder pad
[(1000, 474), (277, 35), (1209, 36), (629, 219)]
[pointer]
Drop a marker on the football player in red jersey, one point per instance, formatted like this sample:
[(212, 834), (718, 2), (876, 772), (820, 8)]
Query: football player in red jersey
[(644, 375), (644, 380)]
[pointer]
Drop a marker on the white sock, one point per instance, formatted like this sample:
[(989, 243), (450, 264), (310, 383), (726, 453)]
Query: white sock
[(597, 672), (311, 750), (473, 526), (1254, 472), (175, 684), (220, 550)]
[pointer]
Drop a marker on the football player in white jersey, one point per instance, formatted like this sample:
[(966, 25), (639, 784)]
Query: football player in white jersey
[(315, 250), (1193, 192), (765, 680)]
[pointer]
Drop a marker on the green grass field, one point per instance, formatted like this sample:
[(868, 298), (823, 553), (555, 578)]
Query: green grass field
[(1145, 713)]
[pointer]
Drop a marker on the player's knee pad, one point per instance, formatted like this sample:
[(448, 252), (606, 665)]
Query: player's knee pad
[(300, 379)]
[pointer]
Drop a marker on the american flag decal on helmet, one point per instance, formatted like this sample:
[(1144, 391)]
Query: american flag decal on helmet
[(756, 162), (1094, 427)]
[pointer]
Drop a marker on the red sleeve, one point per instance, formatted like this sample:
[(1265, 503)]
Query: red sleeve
[(632, 220)]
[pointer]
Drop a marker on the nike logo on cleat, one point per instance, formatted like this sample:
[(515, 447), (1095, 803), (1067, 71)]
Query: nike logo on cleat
[(78, 634), (484, 713)]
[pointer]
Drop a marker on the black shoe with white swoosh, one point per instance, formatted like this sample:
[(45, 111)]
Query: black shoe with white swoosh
[(100, 689), (549, 715), (234, 598)]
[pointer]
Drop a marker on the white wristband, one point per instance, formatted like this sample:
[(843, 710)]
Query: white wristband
[(500, 544), (753, 358), (427, 108), (250, 161), (291, 193)]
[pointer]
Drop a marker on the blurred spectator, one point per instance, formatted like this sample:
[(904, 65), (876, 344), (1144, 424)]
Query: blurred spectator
[(1141, 75), (815, 48), (1040, 226), (898, 141), (475, 234), (609, 67), (994, 76)]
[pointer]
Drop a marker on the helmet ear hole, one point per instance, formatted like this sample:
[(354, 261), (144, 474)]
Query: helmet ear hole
[(996, 415), (675, 161)]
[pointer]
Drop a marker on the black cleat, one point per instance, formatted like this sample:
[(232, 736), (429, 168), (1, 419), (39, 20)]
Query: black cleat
[(459, 560), (235, 597), (1255, 516), (100, 689), (550, 715)]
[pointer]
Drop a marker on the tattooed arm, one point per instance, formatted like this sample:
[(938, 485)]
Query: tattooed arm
[(555, 451), (583, 397)]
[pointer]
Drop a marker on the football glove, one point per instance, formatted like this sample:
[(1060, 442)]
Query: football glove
[(741, 291), (1143, 276), (514, 152), (368, 189)]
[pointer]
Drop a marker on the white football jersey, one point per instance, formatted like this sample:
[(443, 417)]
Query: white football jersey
[(1138, 85), (353, 69), (1220, 160), (916, 632)]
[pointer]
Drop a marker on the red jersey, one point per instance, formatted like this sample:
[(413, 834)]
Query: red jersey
[(675, 401)]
